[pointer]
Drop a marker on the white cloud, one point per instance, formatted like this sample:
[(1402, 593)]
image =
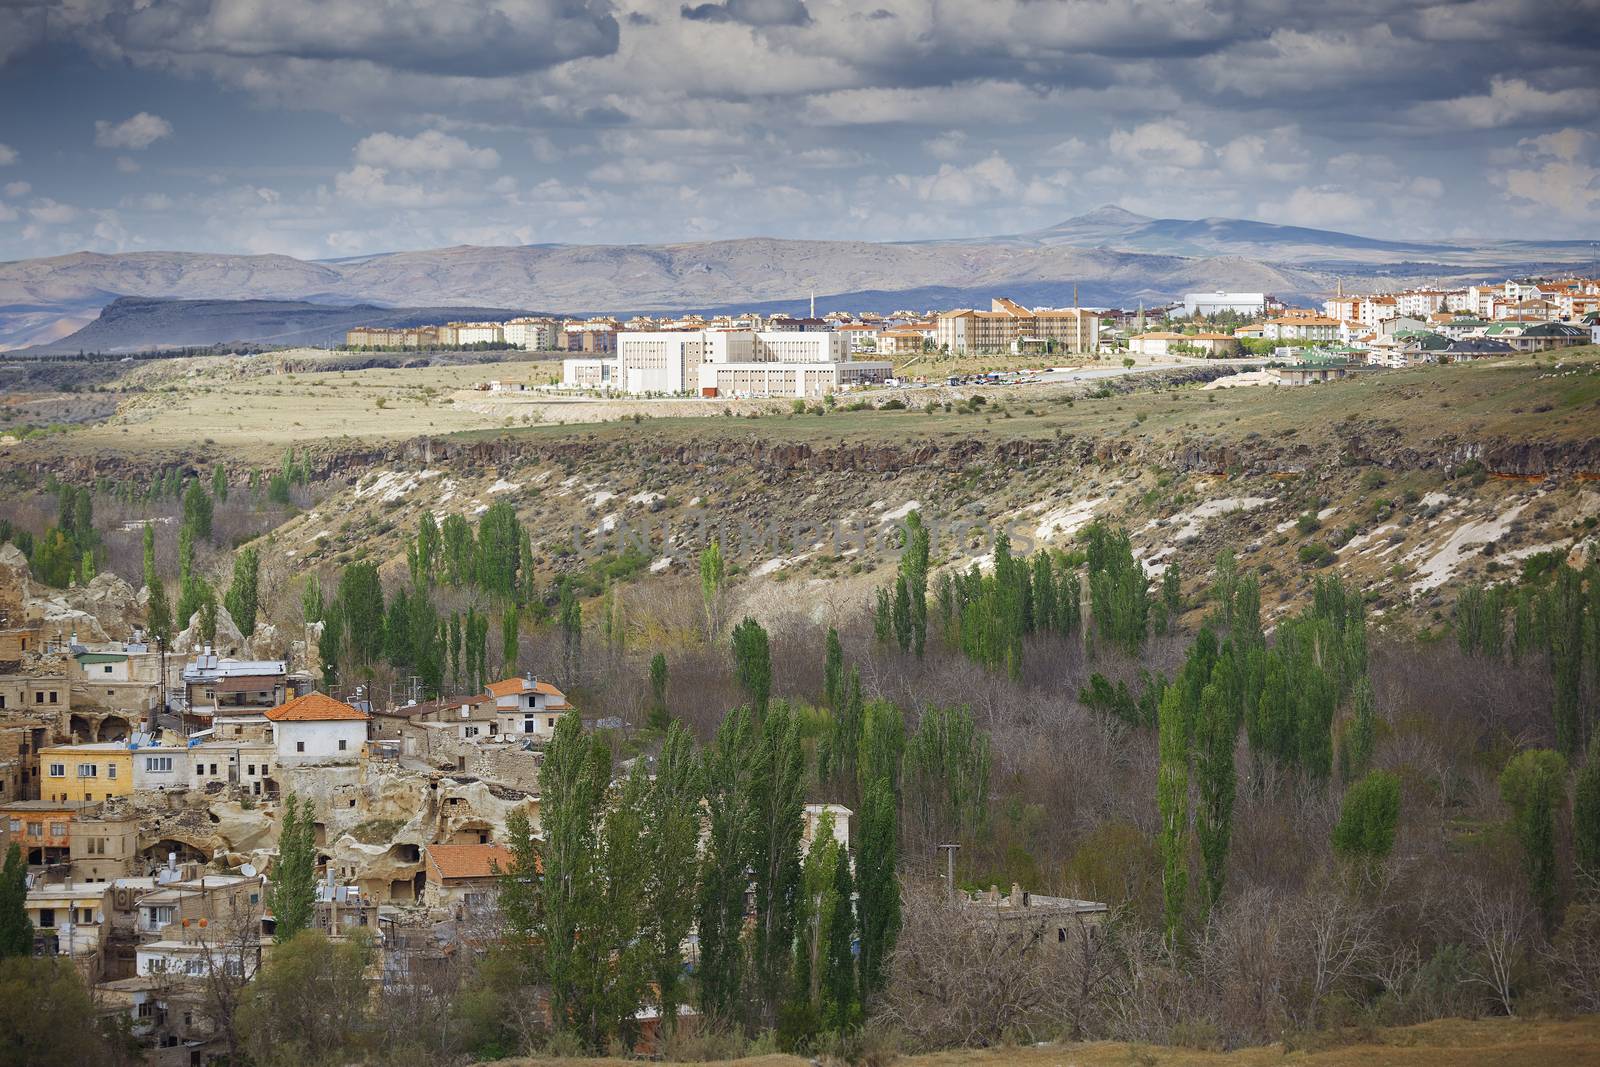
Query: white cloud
[(1277, 155), (18, 188), (135, 134), (429, 150), (1166, 141), (1510, 101), (147, 202), (1322, 205), (8, 213), (51, 212), (947, 145), (1558, 175), (8, 155), (127, 165), (988, 179), (1568, 144), (642, 170)]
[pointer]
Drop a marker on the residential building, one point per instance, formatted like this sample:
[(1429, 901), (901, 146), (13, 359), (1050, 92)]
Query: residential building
[(1163, 343), (862, 336), (316, 728), (1009, 327), (478, 333), (68, 919), (528, 707), (530, 335), (1546, 336), (244, 763), (1058, 921), (38, 694), (42, 829), (105, 844), (900, 342), (463, 875), (21, 737), (86, 772), (1306, 327), (218, 687), (1218, 302)]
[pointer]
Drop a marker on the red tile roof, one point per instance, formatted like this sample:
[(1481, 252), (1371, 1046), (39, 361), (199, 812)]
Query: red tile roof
[(469, 861), (314, 707), (510, 687)]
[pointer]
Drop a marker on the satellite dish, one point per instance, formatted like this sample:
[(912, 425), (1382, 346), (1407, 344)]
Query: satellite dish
[(248, 870)]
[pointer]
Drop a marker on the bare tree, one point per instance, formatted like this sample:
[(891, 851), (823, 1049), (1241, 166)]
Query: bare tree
[(1497, 925), (230, 951), (1334, 939)]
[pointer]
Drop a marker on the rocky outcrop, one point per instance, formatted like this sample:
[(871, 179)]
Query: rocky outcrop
[(227, 642), (111, 601)]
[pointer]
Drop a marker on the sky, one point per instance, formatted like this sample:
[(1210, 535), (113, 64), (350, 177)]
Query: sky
[(322, 130)]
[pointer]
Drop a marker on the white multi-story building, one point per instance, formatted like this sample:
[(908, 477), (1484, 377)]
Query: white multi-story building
[(472, 333), (794, 363), (1213, 303), (530, 335)]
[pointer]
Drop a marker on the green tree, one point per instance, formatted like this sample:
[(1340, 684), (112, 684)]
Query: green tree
[(571, 617), (1565, 615), (47, 1018), (1216, 734), (197, 510), (914, 569), (1532, 785), (832, 670), (878, 889), (1586, 813), (947, 773), (660, 716), (673, 833), (16, 929), (1355, 750), (291, 895), (459, 550), (499, 550), (241, 598), (312, 606), (424, 555), (724, 876), (752, 662), (219, 483), (509, 649), (841, 1001), (1368, 818), (900, 613), (777, 793), (330, 644), (1172, 797), (310, 1003), (711, 578), (158, 613), (362, 608)]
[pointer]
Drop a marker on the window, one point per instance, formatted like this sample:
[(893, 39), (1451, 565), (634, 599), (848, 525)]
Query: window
[(158, 764), (38, 696), (52, 696), (88, 770), (250, 769), (342, 744), (213, 769), (106, 669), (58, 770), (86, 916), (111, 770), (58, 829), (158, 915), (47, 917), (36, 829), (299, 746), (552, 723), (16, 826)]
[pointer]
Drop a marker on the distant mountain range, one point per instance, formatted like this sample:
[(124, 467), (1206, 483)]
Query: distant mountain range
[(1109, 256)]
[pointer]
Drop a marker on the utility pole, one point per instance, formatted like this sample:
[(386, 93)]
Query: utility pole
[(950, 869)]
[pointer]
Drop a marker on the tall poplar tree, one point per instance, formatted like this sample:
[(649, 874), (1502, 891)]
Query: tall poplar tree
[(752, 662), (242, 594), (1172, 797), (724, 877), (16, 929), (877, 888), (292, 892), (777, 798), (673, 831)]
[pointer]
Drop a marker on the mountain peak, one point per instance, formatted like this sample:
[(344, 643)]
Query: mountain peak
[(1108, 215)]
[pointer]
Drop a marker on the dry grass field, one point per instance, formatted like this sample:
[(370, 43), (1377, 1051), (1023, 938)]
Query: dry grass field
[(210, 406), (1446, 1043)]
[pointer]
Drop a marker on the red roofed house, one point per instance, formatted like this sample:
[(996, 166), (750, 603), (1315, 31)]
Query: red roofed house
[(528, 706), (463, 874), (316, 728)]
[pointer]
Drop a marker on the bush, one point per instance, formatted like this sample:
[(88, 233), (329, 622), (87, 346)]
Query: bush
[(1308, 522), (1315, 554)]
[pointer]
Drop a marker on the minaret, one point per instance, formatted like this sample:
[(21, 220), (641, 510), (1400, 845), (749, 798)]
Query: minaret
[(813, 303)]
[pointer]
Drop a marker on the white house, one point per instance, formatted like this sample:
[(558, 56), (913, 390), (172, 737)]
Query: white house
[(528, 706), (316, 728)]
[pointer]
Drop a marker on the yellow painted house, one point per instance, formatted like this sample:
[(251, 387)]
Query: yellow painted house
[(72, 773)]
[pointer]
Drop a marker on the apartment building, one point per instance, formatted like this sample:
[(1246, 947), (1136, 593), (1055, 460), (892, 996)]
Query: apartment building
[(477, 333), (73, 773), (1009, 327), (1218, 302), (530, 335)]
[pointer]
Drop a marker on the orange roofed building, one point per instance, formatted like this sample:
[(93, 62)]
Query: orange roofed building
[(316, 728), (528, 707), (463, 874)]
